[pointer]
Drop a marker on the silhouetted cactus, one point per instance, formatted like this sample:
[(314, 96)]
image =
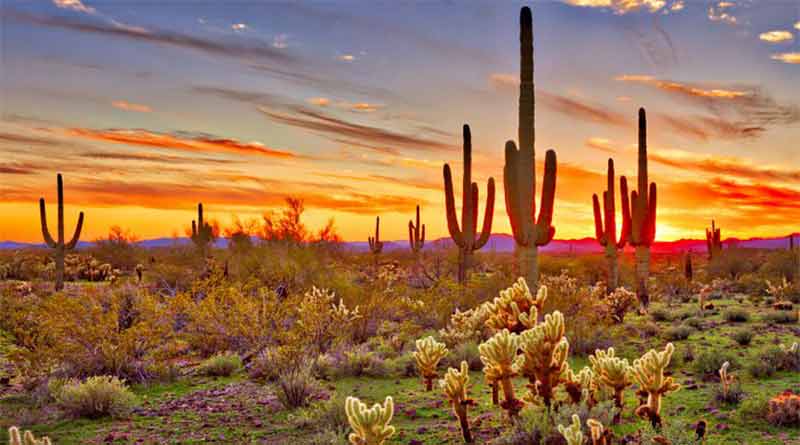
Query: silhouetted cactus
[(60, 246), (713, 240), (643, 216), (688, 271), (202, 233), (465, 235), (375, 243), (416, 235), (605, 225), (519, 172)]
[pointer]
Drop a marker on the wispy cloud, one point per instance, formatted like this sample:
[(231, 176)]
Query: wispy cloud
[(200, 143), (721, 12), (130, 106), (776, 36), (705, 127), (729, 166), (621, 7), (359, 107), (75, 5), (346, 58), (600, 144), (583, 110), (793, 58)]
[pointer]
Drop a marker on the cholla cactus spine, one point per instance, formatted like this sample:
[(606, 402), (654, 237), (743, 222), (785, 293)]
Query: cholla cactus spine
[(544, 356), (59, 244), (726, 379), (648, 373), (370, 425), (572, 433), (519, 171), (465, 236), (455, 386), (416, 235), (427, 355), (375, 243), (498, 355), (516, 309), (612, 372), (15, 438), (605, 224)]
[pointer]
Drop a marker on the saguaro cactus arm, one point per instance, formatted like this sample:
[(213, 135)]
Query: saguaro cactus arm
[(416, 234)]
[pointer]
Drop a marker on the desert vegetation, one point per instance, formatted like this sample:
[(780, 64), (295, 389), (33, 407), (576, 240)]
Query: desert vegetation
[(288, 336)]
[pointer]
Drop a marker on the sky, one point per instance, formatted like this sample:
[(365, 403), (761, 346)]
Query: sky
[(148, 107)]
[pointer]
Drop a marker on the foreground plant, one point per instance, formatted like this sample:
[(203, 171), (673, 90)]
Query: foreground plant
[(572, 434), (498, 355), (516, 309), (370, 425), (599, 434), (648, 373), (614, 373), (544, 356), (60, 246), (580, 386), (427, 355), (455, 386), (15, 438), (726, 379)]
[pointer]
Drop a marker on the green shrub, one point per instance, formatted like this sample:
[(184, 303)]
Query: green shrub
[(755, 407), (467, 352), (403, 365), (295, 388), (695, 322), (679, 332), (780, 317), (661, 314), (708, 362), (324, 416), (649, 330), (96, 397), (743, 337), (221, 365), (766, 363), (737, 315)]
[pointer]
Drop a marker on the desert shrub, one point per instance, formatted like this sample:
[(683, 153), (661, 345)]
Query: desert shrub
[(618, 303), (737, 315), (96, 397), (679, 332), (403, 365), (360, 361), (324, 438), (732, 263), (660, 314), (743, 337), (295, 387), (708, 362), (753, 408), (649, 330), (467, 352), (117, 249), (780, 317), (784, 409), (762, 369), (789, 357), (163, 372), (685, 314), (695, 322), (220, 365), (672, 432), (323, 416), (734, 395)]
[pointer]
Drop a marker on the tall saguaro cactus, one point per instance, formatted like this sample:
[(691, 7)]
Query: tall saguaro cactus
[(416, 235), (60, 246), (607, 233), (713, 240), (643, 217), (465, 235), (519, 172), (202, 232), (375, 243)]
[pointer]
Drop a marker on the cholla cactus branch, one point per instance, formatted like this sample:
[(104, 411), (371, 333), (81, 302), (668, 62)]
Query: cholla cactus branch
[(612, 372), (427, 355), (579, 386), (572, 433), (516, 309), (370, 425), (599, 434), (648, 373), (498, 355), (455, 386), (544, 356), (15, 438)]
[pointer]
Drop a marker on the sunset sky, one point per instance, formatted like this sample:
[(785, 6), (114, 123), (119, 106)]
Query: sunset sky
[(148, 107)]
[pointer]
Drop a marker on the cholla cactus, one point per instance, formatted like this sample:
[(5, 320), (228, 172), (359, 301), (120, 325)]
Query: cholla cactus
[(612, 372), (466, 326), (498, 355), (701, 298), (14, 438), (599, 434), (544, 355), (455, 386), (618, 303), (793, 349), (428, 354), (516, 309), (572, 433), (726, 379), (370, 425), (648, 373), (579, 386)]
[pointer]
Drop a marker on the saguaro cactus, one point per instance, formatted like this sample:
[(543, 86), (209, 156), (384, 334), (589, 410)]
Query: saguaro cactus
[(465, 235), (713, 240), (60, 246), (416, 235), (375, 243), (202, 232), (607, 233), (688, 271), (519, 172), (643, 217)]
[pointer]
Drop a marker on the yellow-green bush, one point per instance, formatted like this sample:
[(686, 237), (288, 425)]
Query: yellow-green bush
[(95, 397)]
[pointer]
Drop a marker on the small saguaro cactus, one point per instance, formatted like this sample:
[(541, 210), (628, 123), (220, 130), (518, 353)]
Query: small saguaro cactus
[(416, 235), (375, 243), (648, 373), (202, 232), (688, 270), (643, 216), (572, 433), (544, 357), (519, 172), (427, 355), (726, 379), (498, 355), (612, 372), (605, 225), (465, 236), (455, 386), (60, 246), (713, 240), (15, 438), (516, 309), (370, 425)]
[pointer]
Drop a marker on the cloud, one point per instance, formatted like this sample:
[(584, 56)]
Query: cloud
[(18, 169), (200, 143), (280, 41), (720, 12), (687, 90), (130, 106), (621, 7), (238, 26), (28, 140), (600, 144), (168, 38), (338, 129), (581, 110), (75, 5), (151, 157), (728, 166), (360, 107), (346, 58), (704, 127), (319, 101), (793, 58), (776, 36)]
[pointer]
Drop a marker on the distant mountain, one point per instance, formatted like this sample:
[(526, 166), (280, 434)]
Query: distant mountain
[(497, 242)]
